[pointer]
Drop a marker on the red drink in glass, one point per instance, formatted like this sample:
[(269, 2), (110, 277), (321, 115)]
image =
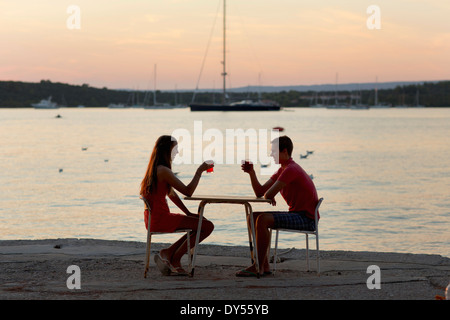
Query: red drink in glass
[(210, 169)]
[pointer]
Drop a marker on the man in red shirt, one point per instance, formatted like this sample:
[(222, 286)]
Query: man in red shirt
[(298, 191)]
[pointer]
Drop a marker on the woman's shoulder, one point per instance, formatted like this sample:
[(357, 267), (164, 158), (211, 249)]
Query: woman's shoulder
[(162, 170)]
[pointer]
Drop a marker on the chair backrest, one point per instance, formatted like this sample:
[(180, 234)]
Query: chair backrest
[(147, 206), (316, 213)]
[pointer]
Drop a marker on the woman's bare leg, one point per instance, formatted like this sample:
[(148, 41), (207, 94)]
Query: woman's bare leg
[(174, 253)]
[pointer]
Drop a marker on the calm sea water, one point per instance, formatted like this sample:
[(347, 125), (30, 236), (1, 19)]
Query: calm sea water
[(384, 174)]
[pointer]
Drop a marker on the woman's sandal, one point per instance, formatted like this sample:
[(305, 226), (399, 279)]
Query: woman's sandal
[(163, 265)]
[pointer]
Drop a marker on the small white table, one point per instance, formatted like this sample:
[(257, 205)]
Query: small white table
[(233, 200)]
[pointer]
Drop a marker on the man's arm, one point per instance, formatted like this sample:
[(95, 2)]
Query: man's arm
[(259, 189), (274, 189)]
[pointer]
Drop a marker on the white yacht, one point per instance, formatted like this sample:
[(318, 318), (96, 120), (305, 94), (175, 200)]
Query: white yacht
[(117, 106), (46, 104)]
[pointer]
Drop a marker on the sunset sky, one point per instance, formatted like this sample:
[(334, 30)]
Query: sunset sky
[(270, 42)]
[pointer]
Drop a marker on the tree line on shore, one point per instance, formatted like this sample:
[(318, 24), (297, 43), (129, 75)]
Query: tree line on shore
[(14, 94)]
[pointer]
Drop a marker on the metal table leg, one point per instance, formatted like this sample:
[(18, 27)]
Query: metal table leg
[(201, 208), (248, 208)]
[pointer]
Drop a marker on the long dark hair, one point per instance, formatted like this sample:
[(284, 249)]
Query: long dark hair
[(161, 155)]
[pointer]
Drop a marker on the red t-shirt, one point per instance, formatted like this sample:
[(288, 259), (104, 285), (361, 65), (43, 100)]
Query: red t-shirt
[(300, 192)]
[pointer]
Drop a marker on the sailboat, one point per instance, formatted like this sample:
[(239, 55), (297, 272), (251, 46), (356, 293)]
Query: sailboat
[(418, 105), (245, 105), (377, 104), (337, 104), (160, 106)]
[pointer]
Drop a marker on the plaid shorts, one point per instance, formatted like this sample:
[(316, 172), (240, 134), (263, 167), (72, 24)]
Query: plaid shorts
[(293, 220)]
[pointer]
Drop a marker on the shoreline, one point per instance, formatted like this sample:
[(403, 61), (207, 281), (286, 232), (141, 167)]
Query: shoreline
[(113, 270)]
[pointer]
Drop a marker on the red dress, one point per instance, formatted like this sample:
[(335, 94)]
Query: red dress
[(161, 219)]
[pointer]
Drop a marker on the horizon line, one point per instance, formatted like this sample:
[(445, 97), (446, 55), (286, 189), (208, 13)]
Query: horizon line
[(336, 85)]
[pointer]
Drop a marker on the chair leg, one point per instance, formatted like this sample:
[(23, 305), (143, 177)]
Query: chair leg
[(147, 253), (188, 239), (191, 255), (275, 253), (318, 254), (307, 251), (269, 246), (249, 230)]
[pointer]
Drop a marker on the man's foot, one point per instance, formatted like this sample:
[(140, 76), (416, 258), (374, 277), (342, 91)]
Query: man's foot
[(267, 269), (249, 272), (246, 274)]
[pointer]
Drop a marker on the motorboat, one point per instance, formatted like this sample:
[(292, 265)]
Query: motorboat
[(45, 104)]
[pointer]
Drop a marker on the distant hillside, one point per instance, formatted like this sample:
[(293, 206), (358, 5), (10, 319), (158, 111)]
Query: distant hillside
[(430, 94), (323, 87), (23, 94)]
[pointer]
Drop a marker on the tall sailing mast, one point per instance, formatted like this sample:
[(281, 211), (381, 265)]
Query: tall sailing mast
[(376, 91), (225, 106), (224, 73), (154, 85)]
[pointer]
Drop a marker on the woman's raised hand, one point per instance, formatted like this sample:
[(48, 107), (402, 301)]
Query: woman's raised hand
[(208, 164)]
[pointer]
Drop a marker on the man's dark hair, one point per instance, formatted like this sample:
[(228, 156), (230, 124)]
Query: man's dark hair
[(284, 142)]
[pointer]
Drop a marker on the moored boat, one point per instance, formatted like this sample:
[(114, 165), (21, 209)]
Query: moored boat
[(45, 104)]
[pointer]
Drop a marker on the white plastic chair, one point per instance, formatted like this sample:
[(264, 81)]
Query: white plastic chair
[(149, 240), (307, 233)]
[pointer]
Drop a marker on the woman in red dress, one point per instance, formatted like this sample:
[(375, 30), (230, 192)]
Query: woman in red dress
[(159, 182)]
